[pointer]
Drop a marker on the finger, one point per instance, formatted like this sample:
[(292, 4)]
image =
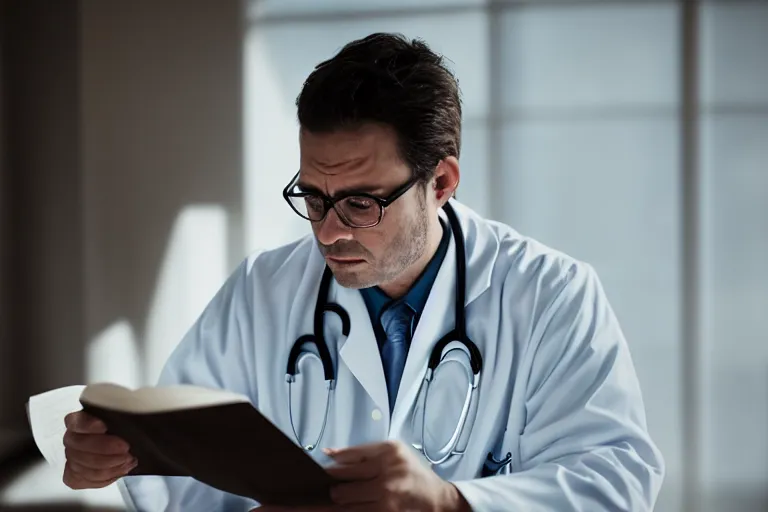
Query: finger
[(356, 454), (352, 493), (84, 423), (74, 480), (365, 470), (97, 461), (99, 476), (102, 444)]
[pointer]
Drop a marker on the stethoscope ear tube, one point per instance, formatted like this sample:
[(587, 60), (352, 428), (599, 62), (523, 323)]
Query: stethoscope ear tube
[(459, 332), (319, 334), (318, 338), (346, 324), (475, 360), (461, 270), (293, 356)]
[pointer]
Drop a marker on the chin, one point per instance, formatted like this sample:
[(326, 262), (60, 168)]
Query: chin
[(354, 280)]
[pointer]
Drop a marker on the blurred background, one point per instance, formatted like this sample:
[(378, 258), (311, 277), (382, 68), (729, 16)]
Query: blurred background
[(144, 145)]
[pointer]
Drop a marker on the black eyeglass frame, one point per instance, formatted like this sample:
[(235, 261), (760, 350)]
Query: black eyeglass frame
[(330, 202)]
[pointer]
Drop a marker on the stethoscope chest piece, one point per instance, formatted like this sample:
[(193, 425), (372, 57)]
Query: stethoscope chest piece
[(445, 411)]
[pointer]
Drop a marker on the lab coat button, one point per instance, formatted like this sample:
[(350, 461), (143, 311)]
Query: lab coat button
[(376, 415)]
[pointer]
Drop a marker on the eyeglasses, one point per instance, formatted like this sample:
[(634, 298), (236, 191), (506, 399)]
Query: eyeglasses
[(356, 210)]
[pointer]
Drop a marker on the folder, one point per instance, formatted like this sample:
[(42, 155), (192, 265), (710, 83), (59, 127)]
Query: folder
[(214, 436)]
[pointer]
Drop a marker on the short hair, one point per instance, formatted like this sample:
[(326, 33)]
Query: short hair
[(387, 79)]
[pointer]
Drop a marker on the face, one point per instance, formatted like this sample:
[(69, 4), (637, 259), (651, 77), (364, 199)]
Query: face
[(367, 160)]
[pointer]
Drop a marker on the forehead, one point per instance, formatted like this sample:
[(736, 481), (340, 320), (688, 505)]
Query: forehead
[(364, 156)]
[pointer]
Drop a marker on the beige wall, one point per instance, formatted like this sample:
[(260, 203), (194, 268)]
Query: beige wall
[(123, 113), (161, 107)]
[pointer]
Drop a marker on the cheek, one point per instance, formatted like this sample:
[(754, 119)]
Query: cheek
[(373, 240)]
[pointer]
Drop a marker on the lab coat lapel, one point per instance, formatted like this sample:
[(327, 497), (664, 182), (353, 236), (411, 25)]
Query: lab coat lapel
[(360, 351)]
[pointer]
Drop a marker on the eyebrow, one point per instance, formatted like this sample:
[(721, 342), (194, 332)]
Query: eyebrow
[(371, 190)]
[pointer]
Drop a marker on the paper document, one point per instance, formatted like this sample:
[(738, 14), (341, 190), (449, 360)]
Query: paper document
[(46, 417)]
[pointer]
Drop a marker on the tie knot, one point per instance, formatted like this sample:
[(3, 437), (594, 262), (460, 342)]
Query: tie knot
[(396, 321)]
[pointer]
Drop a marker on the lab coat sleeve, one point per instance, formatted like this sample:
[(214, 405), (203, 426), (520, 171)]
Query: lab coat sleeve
[(217, 353), (584, 445)]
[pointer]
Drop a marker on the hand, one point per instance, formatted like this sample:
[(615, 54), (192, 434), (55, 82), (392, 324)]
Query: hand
[(385, 477), (390, 476), (94, 459)]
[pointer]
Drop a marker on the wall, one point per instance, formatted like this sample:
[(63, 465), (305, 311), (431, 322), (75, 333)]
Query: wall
[(44, 334), (5, 360), (161, 107), (124, 126)]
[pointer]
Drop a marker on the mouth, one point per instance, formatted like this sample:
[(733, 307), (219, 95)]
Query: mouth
[(344, 261)]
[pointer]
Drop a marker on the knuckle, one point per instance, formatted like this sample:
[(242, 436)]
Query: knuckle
[(391, 488), (70, 420), (71, 439), (392, 445), (100, 475), (69, 479)]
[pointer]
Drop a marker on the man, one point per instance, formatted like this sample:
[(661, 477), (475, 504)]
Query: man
[(557, 402)]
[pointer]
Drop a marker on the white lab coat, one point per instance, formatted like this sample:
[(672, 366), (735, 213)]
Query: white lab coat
[(558, 390)]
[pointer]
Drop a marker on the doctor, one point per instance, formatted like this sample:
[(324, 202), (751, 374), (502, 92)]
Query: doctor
[(445, 362)]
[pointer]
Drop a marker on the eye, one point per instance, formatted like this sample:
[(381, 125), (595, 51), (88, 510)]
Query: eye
[(360, 203), (314, 203)]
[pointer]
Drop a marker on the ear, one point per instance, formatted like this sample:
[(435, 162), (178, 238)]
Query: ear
[(446, 180)]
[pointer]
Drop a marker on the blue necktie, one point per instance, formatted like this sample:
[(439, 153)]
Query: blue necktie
[(396, 322)]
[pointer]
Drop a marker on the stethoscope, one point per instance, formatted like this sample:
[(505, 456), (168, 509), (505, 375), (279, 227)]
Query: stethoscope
[(457, 334)]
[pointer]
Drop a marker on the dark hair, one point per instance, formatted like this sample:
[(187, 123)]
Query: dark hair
[(387, 79)]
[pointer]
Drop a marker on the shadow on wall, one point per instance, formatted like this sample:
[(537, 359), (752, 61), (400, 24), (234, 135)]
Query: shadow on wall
[(193, 268)]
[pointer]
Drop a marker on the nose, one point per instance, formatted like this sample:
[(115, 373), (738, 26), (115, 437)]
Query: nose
[(332, 229)]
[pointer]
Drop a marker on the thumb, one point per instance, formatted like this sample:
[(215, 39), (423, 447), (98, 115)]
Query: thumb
[(344, 456), (352, 455)]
